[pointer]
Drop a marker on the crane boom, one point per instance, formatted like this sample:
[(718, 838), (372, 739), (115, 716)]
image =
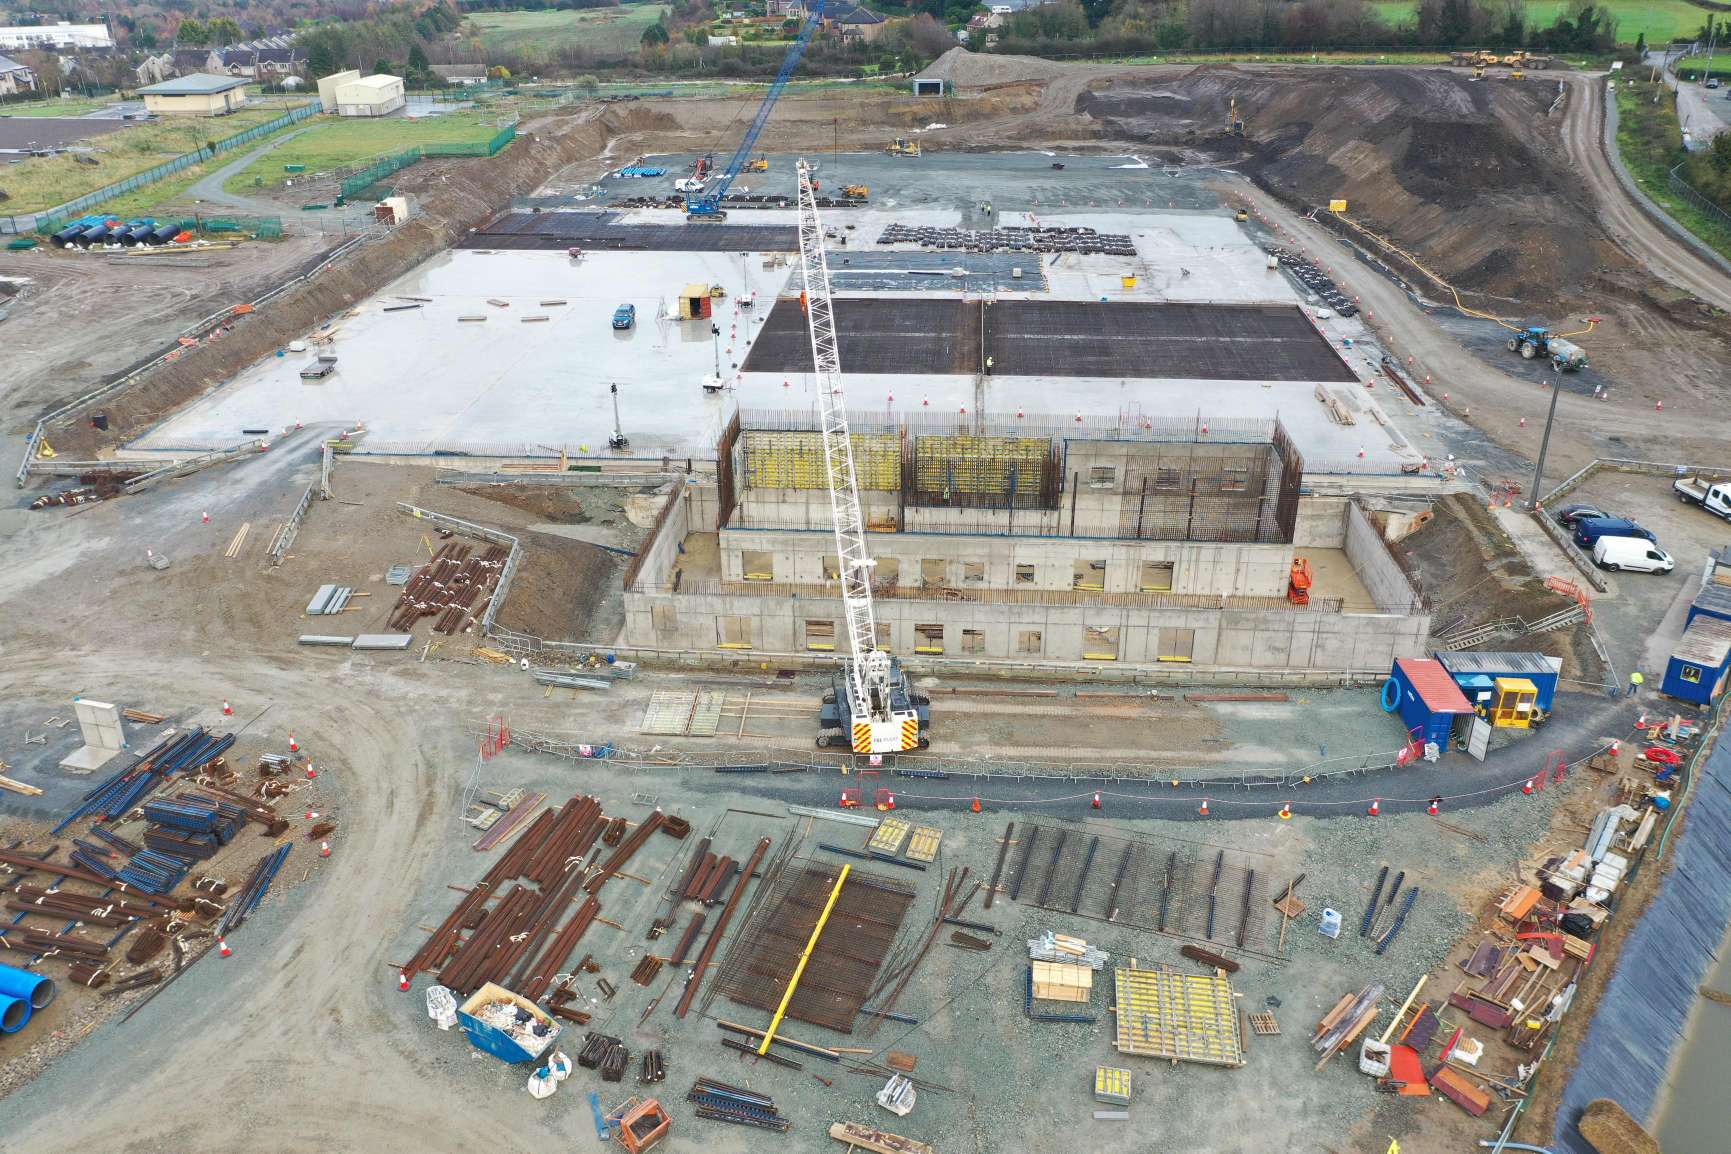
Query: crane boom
[(881, 717), (709, 203)]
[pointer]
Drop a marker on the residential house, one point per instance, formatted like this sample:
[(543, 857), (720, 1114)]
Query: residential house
[(855, 23), (464, 74), (15, 77), (786, 9)]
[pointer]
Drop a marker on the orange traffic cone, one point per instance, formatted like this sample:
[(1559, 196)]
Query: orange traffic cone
[(891, 803), (294, 746), (311, 772), (1286, 811), (227, 709), (1096, 799), (222, 946), (1203, 810), (205, 517), (1435, 804), (324, 849), (1375, 809), (1527, 786), (311, 816), (976, 806), (402, 981)]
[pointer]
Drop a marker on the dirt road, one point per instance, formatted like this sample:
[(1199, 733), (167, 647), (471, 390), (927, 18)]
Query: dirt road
[(1633, 230)]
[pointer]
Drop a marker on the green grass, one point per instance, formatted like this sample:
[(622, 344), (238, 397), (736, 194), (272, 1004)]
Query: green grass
[(539, 34), (43, 182), (1661, 20), (51, 107), (148, 201), (345, 142), (1650, 141)]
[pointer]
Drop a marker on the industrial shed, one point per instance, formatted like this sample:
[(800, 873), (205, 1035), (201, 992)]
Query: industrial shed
[(1700, 662), (198, 95), (377, 95), (1482, 670), (1426, 697)]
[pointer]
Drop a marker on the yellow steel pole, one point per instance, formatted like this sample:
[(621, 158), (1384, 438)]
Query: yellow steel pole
[(804, 957)]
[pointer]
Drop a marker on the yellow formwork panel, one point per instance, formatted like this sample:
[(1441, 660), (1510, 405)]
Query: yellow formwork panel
[(1112, 1084), (1183, 1017), (964, 463), (890, 834), (794, 460), (923, 846)]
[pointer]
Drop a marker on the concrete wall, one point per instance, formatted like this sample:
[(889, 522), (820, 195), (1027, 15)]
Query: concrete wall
[(702, 505), (663, 554), (1321, 523), (1375, 564), (1235, 570), (1260, 639)]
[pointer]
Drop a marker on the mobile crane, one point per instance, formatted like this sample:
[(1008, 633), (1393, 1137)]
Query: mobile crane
[(871, 707), (706, 206)]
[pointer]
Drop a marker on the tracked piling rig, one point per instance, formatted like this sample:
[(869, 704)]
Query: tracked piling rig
[(871, 708)]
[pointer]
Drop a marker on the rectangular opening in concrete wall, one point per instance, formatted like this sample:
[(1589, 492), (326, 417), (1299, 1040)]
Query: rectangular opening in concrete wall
[(1100, 643), (1024, 574), (887, 573), (733, 632), (1156, 577), (929, 639), (1102, 476), (820, 635), (1176, 644), (881, 635), (757, 564), (664, 618), (831, 567), (1028, 643), (934, 572), (973, 572), (973, 641), (1089, 576)]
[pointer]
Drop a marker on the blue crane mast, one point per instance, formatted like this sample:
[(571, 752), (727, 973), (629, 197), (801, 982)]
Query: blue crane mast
[(707, 205)]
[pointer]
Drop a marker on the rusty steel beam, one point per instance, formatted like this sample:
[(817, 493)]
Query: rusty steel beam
[(711, 943)]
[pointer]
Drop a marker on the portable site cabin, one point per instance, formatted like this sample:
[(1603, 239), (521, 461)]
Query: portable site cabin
[(1714, 600), (694, 302), (1426, 697), (1700, 662), (1499, 684)]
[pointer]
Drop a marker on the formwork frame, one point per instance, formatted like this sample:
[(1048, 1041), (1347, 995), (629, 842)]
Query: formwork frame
[(1180, 1017)]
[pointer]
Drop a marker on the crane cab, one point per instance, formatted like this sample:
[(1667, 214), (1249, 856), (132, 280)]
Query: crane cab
[(896, 725)]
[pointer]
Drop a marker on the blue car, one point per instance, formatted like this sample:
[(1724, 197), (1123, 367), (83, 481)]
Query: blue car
[(1588, 530), (625, 316)]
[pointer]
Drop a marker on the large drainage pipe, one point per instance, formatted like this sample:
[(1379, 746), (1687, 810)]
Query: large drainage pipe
[(14, 1012), (37, 990)]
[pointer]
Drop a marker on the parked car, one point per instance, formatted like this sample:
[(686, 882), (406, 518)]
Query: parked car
[(1696, 491), (1712, 82), (1569, 514), (1589, 529), (625, 316), (1635, 553)]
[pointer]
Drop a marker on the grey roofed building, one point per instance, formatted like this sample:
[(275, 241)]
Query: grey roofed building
[(198, 84)]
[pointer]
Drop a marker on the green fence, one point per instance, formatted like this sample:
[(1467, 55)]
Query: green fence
[(378, 170), (54, 219)]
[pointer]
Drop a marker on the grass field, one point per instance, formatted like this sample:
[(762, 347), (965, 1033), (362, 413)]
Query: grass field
[(346, 142), (52, 107), (1659, 19), (531, 34), (1650, 141), (43, 182)]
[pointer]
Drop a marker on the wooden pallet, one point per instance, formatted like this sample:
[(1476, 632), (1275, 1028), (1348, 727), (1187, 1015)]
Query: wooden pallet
[(1264, 1023), (923, 845), (890, 834)]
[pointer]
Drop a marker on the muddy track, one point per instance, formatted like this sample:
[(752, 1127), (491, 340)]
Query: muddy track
[(1627, 223)]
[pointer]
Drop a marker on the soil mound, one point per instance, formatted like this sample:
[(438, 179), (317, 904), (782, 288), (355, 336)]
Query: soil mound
[(964, 69)]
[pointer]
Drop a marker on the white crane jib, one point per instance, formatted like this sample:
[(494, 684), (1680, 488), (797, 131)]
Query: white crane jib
[(878, 726)]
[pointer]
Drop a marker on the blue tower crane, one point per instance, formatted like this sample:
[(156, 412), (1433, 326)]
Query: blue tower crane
[(707, 205)]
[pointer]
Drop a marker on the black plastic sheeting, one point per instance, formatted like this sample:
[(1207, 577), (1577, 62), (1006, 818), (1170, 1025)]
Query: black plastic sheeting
[(1646, 1005), (602, 230)]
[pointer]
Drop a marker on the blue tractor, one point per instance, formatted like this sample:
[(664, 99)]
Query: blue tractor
[(1538, 341)]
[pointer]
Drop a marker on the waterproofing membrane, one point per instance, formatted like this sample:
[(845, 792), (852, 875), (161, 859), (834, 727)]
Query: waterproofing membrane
[(1647, 1003), (602, 230), (876, 336)]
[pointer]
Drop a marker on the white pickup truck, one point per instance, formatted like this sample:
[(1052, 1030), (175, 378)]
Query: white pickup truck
[(1715, 498)]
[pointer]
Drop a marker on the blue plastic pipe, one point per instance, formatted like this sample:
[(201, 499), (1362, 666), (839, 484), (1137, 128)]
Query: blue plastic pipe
[(35, 990), (14, 1012)]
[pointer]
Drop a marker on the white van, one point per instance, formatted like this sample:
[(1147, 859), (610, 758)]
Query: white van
[(1634, 553)]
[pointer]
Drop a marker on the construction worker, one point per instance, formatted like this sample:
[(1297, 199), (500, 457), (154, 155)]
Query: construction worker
[(988, 366), (1635, 682)]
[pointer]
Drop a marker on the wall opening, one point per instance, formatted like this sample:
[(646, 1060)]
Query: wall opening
[(831, 567), (820, 635), (934, 572), (887, 573), (881, 635), (1176, 644), (973, 641), (1028, 643), (973, 572), (1156, 577), (1024, 574), (1102, 476), (929, 639), (1089, 576), (1100, 643), (757, 564), (733, 632)]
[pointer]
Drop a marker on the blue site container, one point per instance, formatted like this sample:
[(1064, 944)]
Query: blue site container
[(1539, 668), (495, 1041), (1426, 697)]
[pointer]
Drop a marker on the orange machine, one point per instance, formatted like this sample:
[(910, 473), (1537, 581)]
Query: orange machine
[(1298, 589)]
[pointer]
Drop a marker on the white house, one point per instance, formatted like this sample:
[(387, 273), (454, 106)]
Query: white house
[(14, 77)]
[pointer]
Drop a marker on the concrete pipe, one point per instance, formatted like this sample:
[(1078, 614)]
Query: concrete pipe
[(36, 989), (14, 1012)]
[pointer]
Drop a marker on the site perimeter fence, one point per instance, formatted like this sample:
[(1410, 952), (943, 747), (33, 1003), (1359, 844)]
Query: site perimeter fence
[(396, 162), (52, 220), (1689, 193)]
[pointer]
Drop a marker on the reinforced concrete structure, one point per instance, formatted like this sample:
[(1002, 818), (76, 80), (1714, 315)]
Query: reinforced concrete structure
[(1027, 539)]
